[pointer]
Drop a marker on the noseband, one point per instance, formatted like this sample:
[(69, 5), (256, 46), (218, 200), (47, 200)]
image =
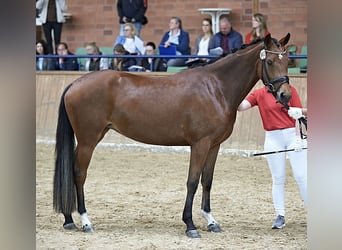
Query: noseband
[(266, 79)]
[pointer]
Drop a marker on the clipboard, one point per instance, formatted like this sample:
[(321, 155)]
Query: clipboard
[(171, 50)]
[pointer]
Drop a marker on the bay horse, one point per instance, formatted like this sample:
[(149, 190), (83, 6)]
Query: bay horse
[(196, 107)]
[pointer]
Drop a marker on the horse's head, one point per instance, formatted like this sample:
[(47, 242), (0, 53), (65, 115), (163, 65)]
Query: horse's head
[(273, 72)]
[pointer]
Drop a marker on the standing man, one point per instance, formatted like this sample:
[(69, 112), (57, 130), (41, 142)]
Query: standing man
[(131, 11), (227, 39)]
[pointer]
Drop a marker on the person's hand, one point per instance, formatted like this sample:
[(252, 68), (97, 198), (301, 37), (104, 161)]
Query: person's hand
[(166, 44), (295, 113), (133, 20), (298, 145), (124, 19)]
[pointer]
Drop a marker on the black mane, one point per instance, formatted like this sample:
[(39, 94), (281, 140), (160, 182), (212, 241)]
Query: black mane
[(199, 63)]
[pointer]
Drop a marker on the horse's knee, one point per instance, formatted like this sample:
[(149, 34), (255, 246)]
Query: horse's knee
[(192, 186)]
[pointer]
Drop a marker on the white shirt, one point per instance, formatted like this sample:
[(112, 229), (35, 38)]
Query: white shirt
[(130, 45), (203, 47)]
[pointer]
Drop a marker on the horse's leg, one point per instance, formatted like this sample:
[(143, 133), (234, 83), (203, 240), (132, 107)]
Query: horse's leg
[(199, 152), (69, 222), (83, 155), (206, 180)]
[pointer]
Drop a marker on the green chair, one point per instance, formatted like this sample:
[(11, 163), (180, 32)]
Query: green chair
[(175, 69), (303, 62), (106, 50), (295, 70), (292, 49), (81, 61)]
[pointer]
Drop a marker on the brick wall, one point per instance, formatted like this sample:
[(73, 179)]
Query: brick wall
[(97, 20)]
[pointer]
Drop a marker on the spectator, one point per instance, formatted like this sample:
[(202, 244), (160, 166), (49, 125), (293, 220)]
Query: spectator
[(179, 38), (51, 16), (259, 30), (202, 44), (282, 132), (131, 11), (131, 42), (65, 63), (226, 40), (95, 63), (152, 64), (202, 41), (120, 63), (43, 63)]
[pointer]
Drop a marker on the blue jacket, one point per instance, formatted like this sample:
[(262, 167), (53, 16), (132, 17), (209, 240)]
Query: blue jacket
[(235, 40), (183, 42), (69, 63), (135, 10)]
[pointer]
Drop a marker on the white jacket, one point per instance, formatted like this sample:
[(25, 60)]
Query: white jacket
[(61, 7)]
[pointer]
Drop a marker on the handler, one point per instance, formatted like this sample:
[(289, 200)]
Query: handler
[(281, 133)]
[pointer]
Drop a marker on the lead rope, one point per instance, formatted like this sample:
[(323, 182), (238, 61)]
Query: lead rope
[(303, 123)]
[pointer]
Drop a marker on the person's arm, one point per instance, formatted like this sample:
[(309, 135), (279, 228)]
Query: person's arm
[(164, 39), (39, 4), (236, 41), (197, 42), (141, 9), (63, 5), (120, 12), (183, 45), (244, 105)]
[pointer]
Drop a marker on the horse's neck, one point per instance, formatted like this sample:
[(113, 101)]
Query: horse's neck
[(237, 74)]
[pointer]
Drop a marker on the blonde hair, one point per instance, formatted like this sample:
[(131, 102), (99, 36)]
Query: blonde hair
[(93, 46), (262, 19), (131, 25)]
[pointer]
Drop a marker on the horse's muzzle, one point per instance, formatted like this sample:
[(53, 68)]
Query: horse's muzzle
[(284, 93)]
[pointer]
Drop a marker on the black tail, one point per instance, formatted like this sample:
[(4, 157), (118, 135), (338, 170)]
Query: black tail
[(64, 192)]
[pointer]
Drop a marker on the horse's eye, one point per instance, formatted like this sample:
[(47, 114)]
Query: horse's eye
[(269, 62)]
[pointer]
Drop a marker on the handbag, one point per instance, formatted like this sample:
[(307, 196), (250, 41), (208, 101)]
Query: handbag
[(144, 20)]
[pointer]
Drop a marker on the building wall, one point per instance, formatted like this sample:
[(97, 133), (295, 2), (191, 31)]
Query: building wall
[(97, 20)]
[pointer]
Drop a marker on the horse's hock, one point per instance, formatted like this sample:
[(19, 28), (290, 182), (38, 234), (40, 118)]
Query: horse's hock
[(248, 133)]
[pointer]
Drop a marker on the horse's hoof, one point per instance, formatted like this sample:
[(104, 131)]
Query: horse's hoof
[(88, 229), (193, 234), (213, 227), (70, 226)]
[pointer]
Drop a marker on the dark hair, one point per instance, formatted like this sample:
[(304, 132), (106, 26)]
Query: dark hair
[(210, 22), (120, 48), (44, 44), (64, 44), (152, 44)]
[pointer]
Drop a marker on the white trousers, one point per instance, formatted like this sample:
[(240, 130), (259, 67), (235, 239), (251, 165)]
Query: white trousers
[(279, 140)]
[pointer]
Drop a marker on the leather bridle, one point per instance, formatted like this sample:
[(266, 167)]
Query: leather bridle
[(270, 84)]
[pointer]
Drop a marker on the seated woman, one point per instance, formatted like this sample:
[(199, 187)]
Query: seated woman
[(95, 63), (43, 63), (176, 36), (120, 63), (64, 63), (130, 41)]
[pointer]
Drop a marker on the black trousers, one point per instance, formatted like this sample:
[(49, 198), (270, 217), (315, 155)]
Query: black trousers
[(57, 31)]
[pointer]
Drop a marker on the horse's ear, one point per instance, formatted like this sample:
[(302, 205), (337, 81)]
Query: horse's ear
[(285, 40), (268, 40)]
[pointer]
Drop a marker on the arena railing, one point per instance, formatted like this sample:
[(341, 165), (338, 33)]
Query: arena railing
[(292, 56)]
